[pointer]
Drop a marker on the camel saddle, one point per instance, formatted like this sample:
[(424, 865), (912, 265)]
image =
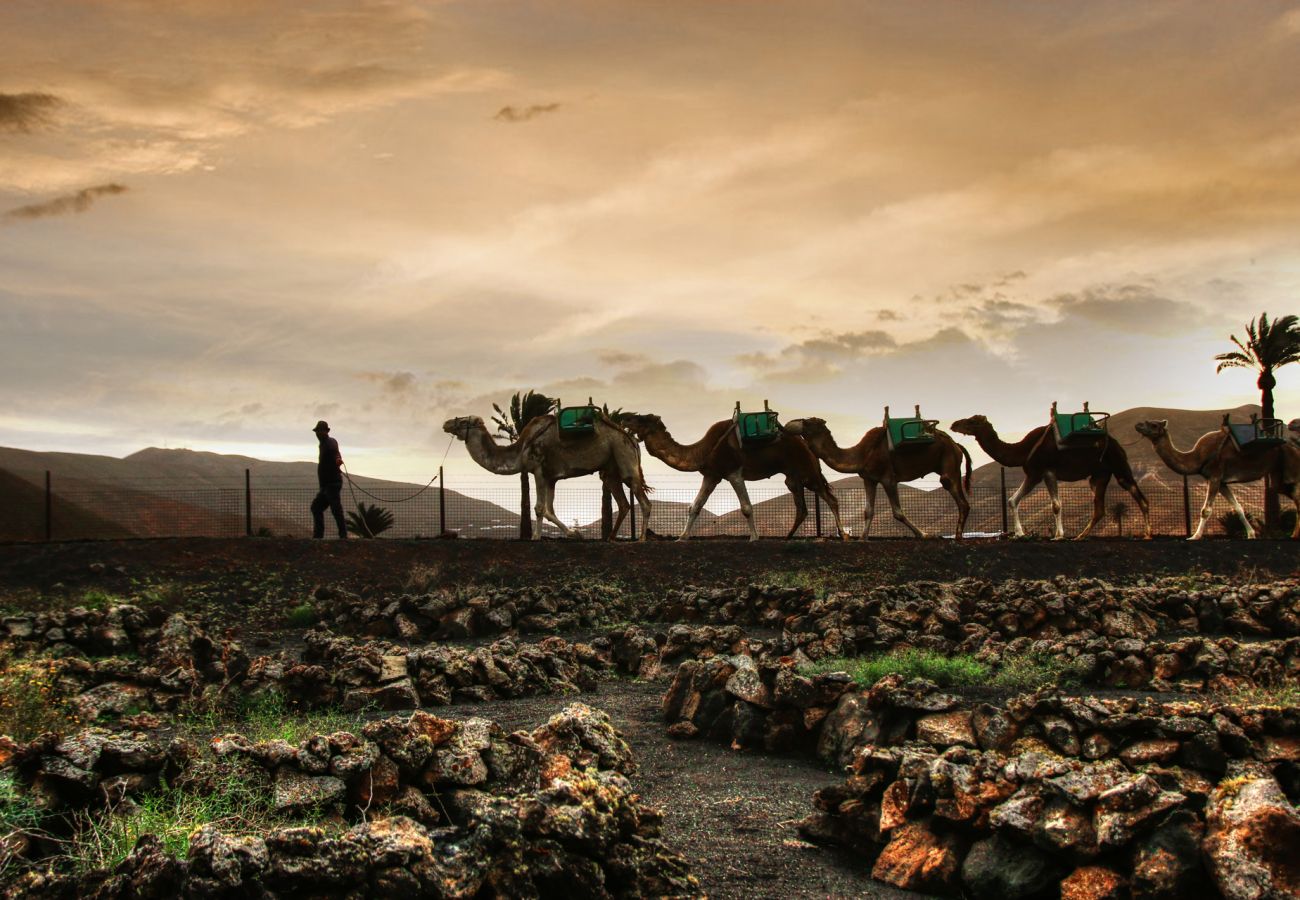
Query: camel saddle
[(1079, 429), (910, 431), (578, 419), (756, 427), (1257, 434)]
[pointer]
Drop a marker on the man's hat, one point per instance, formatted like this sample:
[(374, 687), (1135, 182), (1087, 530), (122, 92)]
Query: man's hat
[(322, 425)]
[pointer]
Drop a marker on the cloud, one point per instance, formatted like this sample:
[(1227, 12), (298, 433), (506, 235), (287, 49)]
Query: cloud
[(392, 382), (818, 358), (1128, 308), (523, 114), (79, 202), (26, 112)]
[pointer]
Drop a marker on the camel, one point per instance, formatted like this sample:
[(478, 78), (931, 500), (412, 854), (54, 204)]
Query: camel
[(719, 456), (876, 463), (1216, 458), (549, 456), (1042, 460)]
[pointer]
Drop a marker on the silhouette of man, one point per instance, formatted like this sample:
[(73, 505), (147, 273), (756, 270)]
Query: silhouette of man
[(330, 476)]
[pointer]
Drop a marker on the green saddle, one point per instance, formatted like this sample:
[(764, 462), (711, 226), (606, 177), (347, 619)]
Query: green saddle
[(756, 427), (1257, 434), (1079, 429), (910, 431), (578, 419)]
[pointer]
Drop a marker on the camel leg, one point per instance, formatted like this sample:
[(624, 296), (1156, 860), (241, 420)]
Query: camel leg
[(1098, 483), (1053, 491), (615, 488), (833, 504), (737, 480), (952, 483), (642, 498), (1241, 513), (868, 505), (1030, 482), (1295, 498), (546, 504), (1140, 499), (706, 488), (800, 505), (891, 491), (1211, 490)]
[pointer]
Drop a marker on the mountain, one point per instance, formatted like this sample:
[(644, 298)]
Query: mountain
[(159, 492)]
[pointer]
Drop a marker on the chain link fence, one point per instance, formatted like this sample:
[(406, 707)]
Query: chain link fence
[(485, 506)]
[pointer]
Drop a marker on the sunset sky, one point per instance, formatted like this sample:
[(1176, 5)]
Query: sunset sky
[(223, 219)]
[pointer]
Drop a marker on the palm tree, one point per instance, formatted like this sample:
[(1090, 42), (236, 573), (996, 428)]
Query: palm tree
[(1118, 510), (524, 407), (370, 521), (1268, 346)]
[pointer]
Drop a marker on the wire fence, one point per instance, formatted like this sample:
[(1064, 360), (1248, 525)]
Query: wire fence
[(483, 506)]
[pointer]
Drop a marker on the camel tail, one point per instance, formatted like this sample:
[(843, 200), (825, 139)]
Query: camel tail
[(966, 481)]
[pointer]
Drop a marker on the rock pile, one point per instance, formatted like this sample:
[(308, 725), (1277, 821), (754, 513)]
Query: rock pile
[(448, 809), (446, 615), (751, 704), (99, 632), (985, 824), (340, 670)]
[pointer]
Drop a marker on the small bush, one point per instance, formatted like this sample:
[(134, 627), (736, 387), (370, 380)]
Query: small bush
[(19, 816), (423, 577), (239, 804), (303, 616), (1285, 696), (31, 701), (943, 670), (94, 598), (1032, 671)]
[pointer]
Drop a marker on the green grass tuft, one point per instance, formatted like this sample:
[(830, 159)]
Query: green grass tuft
[(943, 670), (303, 616), (1034, 671)]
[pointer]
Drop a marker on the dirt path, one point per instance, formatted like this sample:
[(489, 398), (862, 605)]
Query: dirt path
[(731, 814)]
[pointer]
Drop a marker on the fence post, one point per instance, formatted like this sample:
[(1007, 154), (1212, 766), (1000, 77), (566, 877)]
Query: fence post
[(248, 504), (49, 507), (1187, 507), (442, 504), (817, 512), (632, 514), (1002, 476)]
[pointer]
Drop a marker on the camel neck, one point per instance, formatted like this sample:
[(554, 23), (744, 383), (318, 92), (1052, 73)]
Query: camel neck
[(683, 458), (1002, 453), (491, 455), (1180, 461), (839, 458)]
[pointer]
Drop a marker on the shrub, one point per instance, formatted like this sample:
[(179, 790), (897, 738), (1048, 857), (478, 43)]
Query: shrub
[(369, 520), (1032, 671), (303, 615), (943, 670), (31, 701), (20, 816)]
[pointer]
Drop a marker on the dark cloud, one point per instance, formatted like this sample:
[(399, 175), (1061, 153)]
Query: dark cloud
[(79, 202), (820, 357), (515, 114), (392, 382), (27, 111), (1127, 307), (887, 315)]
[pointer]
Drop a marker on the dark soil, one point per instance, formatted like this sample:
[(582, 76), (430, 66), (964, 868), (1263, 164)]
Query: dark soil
[(732, 814), (649, 567)]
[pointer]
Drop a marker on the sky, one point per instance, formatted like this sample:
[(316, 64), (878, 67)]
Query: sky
[(221, 220)]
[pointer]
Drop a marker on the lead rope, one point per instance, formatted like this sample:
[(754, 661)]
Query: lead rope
[(353, 487)]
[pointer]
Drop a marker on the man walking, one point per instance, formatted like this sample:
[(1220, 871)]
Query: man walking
[(330, 476)]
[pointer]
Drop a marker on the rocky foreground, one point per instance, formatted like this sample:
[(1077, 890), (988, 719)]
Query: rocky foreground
[(1149, 777)]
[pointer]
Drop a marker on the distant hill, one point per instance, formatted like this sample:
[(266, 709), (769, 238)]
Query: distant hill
[(189, 492)]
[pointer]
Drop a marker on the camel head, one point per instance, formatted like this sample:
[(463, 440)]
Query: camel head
[(1153, 429), (1294, 426), (971, 425), (641, 424), (461, 426), (811, 427)]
